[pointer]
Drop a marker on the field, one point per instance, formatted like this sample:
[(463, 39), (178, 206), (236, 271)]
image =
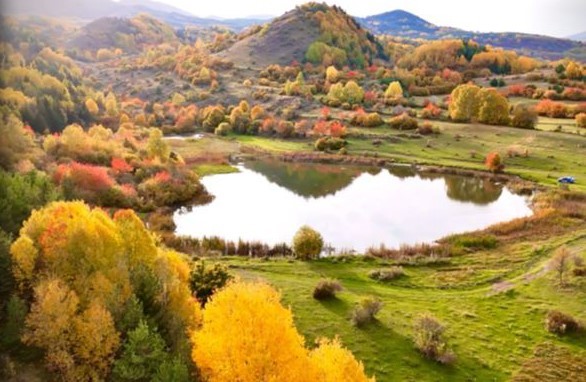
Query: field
[(538, 155), (493, 327)]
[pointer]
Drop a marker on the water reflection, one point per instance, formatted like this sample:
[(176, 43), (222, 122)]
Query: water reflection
[(353, 207)]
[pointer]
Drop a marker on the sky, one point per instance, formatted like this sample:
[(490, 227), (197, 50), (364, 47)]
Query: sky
[(558, 18)]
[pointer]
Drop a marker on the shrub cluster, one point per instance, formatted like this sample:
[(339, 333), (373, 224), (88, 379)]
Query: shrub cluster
[(326, 289), (403, 122), (366, 311), (429, 339), (386, 274), (560, 323)]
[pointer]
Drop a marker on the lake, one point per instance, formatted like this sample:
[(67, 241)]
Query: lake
[(352, 207)]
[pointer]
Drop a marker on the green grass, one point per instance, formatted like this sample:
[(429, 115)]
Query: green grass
[(493, 334), (214, 169)]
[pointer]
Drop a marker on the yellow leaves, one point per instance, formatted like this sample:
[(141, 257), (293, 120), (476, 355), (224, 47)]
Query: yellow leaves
[(332, 74), (337, 364), (394, 91), (79, 346), (464, 103), (248, 335), (49, 321), (139, 244), (92, 107), (96, 339), (24, 255)]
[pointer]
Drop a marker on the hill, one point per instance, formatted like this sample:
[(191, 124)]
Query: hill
[(126, 34), (404, 24), (89, 10), (312, 32)]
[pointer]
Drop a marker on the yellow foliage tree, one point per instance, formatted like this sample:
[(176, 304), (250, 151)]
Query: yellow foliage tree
[(332, 74), (96, 265), (464, 103), (337, 364), (394, 91), (493, 108), (248, 336), (92, 107), (574, 71)]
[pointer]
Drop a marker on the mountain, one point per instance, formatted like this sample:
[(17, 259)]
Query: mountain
[(578, 36), (404, 24), (89, 10), (314, 32)]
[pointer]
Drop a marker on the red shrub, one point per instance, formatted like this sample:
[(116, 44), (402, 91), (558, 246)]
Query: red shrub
[(516, 90), (325, 113), (120, 166), (162, 177), (493, 162), (551, 109), (337, 130)]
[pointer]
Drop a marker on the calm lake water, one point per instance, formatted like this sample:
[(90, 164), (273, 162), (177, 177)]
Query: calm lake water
[(352, 207)]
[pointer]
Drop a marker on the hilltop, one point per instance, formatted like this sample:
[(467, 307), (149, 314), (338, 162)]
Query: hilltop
[(404, 24), (314, 32), (126, 34)]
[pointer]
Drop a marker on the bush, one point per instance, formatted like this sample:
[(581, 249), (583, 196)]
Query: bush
[(204, 281), (307, 243), (403, 122), (223, 129), (425, 129), (329, 143), (429, 339), (551, 109), (494, 162), (367, 119), (560, 323), (366, 311), (581, 120), (524, 117), (386, 274), (326, 289)]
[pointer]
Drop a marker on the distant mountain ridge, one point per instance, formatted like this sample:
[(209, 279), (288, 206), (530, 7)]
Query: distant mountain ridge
[(404, 24), (578, 36), (90, 10)]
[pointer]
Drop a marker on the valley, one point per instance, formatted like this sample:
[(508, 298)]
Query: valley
[(312, 197)]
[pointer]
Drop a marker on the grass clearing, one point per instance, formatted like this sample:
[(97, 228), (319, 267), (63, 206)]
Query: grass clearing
[(493, 334)]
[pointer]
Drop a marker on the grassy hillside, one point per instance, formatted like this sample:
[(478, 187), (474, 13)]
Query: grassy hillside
[(496, 328), (313, 32)]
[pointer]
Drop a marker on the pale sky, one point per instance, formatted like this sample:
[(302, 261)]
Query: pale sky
[(551, 17)]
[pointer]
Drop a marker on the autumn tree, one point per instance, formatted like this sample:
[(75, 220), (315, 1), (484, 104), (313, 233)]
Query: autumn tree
[(493, 108), (524, 116), (105, 273), (394, 91), (111, 105), (92, 107), (81, 346), (332, 74), (15, 143), (561, 263), (336, 363), (157, 147), (307, 243), (494, 162), (263, 346), (464, 104), (574, 71)]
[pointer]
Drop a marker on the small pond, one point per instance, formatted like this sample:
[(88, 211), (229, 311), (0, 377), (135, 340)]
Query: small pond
[(352, 207)]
